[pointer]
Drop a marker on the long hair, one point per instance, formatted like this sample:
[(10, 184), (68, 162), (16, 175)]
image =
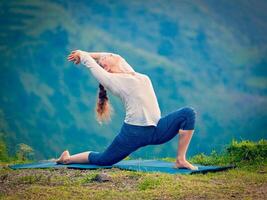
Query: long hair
[(104, 110)]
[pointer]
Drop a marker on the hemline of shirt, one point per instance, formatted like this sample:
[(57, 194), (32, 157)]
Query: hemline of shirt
[(138, 124)]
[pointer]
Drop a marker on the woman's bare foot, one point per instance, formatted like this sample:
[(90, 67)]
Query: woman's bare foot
[(184, 164), (64, 158)]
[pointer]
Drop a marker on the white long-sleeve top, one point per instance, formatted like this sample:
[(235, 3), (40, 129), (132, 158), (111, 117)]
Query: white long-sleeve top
[(135, 91)]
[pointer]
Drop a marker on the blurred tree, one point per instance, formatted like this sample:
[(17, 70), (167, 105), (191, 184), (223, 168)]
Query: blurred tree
[(24, 152), (3, 151)]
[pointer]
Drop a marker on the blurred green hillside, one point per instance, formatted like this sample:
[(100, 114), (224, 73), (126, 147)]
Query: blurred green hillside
[(211, 56)]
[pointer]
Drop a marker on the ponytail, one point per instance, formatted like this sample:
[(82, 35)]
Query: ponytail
[(103, 107)]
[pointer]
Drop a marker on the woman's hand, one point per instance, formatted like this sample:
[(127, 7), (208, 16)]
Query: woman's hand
[(75, 57)]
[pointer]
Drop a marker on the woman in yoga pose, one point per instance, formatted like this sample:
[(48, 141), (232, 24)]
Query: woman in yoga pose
[(143, 124)]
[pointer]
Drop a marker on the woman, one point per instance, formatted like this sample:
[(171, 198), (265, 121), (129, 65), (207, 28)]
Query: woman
[(143, 124)]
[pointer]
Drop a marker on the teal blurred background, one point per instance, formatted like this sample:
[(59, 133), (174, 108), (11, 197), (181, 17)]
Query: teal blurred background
[(210, 55)]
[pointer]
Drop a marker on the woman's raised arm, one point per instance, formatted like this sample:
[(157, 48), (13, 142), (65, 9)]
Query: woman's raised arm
[(98, 55), (107, 79)]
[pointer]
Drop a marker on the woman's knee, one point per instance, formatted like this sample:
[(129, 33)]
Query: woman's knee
[(190, 117), (189, 111)]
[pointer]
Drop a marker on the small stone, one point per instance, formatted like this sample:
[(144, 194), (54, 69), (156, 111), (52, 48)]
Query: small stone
[(3, 177), (103, 177)]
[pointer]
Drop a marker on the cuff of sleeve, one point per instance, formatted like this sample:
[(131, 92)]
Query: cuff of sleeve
[(84, 57)]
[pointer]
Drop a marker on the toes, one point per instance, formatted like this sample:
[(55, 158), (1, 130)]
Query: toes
[(64, 158), (185, 165)]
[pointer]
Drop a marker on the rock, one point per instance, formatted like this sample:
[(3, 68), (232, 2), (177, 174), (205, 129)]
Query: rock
[(103, 177)]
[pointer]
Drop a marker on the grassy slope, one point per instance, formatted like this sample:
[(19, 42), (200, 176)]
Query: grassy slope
[(247, 182)]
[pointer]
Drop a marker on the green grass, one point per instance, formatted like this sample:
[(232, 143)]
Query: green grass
[(75, 184), (150, 182), (247, 181)]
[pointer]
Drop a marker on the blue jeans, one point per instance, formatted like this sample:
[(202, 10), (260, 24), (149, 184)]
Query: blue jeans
[(132, 137)]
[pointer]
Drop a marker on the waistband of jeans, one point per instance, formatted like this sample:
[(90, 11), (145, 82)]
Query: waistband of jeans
[(136, 126)]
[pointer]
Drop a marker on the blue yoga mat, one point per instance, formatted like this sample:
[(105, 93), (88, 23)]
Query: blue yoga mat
[(165, 166), (47, 164), (134, 165)]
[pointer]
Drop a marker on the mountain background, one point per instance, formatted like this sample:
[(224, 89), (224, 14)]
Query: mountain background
[(211, 55)]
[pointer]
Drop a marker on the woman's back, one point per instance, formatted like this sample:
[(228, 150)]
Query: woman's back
[(138, 96)]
